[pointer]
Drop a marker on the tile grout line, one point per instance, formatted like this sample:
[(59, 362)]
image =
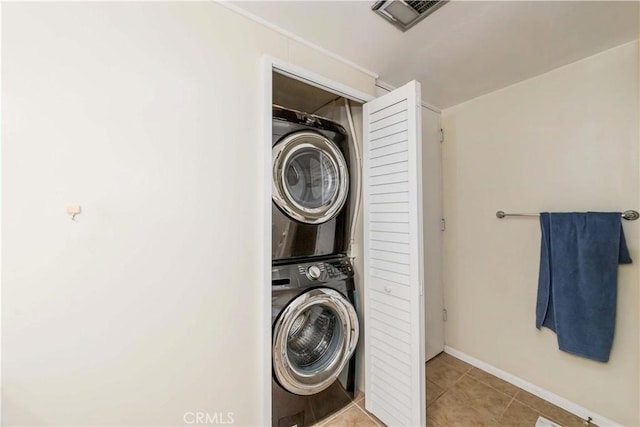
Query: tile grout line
[(335, 415), (364, 411), (499, 391), (513, 397), (437, 398), (527, 405), (493, 388), (453, 365), (544, 413), (507, 407), (446, 389), (467, 373), (539, 412), (458, 380)]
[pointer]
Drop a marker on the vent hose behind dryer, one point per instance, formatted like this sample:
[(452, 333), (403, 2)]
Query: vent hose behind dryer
[(356, 149)]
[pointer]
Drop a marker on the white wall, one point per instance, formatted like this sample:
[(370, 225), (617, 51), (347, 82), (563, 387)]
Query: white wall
[(566, 140), (149, 116)]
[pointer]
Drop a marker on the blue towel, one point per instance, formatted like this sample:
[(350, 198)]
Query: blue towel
[(577, 287)]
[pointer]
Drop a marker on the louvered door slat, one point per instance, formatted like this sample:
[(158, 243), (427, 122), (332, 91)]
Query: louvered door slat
[(390, 188), (389, 207), (393, 119), (380, 343), (391, 322), (386, 412), (385, 141), (390, 381), (400, 373), (392, 289), (389, 168), (388, 111), (389, 160), (394, 317), (385, 150), (393, 302), (388, 131)]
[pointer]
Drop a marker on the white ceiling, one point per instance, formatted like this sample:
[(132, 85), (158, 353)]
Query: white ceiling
[(464, 49)]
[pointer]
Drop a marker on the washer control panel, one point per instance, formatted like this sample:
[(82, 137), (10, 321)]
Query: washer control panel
[(326, 271), (340, 269), (314, 272)]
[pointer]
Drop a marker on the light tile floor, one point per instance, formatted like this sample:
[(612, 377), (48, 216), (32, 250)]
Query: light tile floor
[(460, 395), (353, 415)]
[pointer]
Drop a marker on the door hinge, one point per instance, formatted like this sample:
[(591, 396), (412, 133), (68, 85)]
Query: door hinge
[(441, 135), (444, 314), (443, 224)]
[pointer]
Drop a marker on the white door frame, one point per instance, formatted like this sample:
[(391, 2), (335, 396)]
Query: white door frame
[(271, 64)]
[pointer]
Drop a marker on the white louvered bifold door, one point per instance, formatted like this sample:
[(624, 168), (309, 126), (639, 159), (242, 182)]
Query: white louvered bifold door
[(393, 276)]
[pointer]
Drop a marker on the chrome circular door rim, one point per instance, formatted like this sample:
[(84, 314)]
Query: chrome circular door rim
[(307, 383), (287, 150)]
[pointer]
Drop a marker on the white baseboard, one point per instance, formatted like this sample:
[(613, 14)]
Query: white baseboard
[(559, 401)]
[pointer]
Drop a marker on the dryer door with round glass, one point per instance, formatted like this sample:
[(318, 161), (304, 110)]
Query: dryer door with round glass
[(310, 177), (313, 339)]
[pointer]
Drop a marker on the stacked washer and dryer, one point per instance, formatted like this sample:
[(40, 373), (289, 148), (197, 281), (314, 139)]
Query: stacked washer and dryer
[(315, 327)]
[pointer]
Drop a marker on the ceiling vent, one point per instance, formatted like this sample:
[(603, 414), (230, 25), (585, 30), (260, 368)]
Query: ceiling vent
[(406, 14)]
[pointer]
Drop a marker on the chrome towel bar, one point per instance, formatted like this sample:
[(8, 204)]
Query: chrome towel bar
[(628, 215)]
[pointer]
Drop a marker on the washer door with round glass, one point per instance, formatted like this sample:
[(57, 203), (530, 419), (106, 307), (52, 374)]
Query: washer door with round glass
[(310, 177), (313, 339)]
